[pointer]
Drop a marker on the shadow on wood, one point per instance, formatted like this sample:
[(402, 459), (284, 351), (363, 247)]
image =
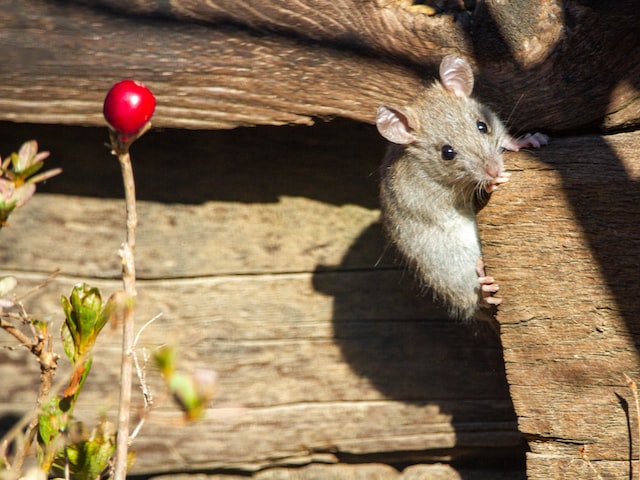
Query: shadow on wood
[(260, 248), (396, 338)]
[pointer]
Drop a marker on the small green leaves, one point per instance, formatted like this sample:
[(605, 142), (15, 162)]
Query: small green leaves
[(63, 442), (27, 161), (192, 391), (165, 357), (88, 457), (51, 422), (18, 177), (85, 317)]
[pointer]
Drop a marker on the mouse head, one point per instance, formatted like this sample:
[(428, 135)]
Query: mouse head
[(449, 135)]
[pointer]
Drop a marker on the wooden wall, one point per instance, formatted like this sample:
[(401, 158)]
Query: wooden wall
[(262, 250), (261, 246)]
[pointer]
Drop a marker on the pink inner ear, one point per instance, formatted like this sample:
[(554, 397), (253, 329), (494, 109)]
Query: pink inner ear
[(456, 76), (395, 125)]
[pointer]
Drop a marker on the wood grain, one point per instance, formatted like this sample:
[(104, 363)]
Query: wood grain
[(546, 65), (561, 237), (265, 264)]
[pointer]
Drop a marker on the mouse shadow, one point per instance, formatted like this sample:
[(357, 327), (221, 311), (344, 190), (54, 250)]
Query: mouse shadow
[(403, 343)]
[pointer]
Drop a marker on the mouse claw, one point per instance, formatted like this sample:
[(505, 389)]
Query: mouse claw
[(493, 300), (488, 285)]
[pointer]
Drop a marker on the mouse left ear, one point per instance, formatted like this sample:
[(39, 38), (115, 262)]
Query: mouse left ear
[(456, 75), (396, 125)]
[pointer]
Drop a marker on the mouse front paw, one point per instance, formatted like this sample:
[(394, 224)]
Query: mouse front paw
[(503, 177), (530, 140), (488, 286)]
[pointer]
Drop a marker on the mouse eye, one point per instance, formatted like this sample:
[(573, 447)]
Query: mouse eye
[(448, 153), (482, 127)]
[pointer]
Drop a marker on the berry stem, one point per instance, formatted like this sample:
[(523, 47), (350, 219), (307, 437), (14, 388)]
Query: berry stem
[(128, 329)]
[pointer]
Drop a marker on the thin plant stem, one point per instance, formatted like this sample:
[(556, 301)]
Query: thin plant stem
[(128, 330), (585, 457), (42, 348), (634, 391)]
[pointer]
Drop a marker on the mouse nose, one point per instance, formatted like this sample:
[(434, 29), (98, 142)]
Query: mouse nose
[(493, 165), (493, 170)]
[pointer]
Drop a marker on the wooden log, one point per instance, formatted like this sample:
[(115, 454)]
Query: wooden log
[(294, 62), (202, 77), (562, 238), (359, 472), (262, 260)]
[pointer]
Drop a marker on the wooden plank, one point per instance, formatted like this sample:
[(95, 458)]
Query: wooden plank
[(248, 201), (300, 372), (202, 77), (323, 357), (561, 238), (295, 62), (359, 472)]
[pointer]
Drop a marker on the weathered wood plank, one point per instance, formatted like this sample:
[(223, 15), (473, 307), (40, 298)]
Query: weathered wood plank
[(360, 472), (322, 356), (202, 77), (296, 376), (562, 238), (250, 201), (294, 62)]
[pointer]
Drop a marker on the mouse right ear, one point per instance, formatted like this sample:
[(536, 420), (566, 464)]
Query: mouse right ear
[(456, 75), (395, 125)]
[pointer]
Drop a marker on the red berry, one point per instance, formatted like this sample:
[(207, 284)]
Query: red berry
[(128, 106)]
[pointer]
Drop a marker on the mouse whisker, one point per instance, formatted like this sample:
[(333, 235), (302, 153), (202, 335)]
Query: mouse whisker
[(507, 122)]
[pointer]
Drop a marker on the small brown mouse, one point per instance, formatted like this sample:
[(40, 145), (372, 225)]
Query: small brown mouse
[(445, 153)]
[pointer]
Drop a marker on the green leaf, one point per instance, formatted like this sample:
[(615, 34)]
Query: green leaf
[(108, 311), (45, 175), (22, 159), (30, 170), (41, 327), (69, 330), (51, 422), (85, 318), (165, 358), (184, 391), (27, 158), (68, 343), (88, 458), (193, 391), (87, 304)]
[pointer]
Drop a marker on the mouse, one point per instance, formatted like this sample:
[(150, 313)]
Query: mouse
[(444, 158)]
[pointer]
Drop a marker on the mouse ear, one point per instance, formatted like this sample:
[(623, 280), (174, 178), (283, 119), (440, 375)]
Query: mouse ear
[(456, 75), (395, 125)]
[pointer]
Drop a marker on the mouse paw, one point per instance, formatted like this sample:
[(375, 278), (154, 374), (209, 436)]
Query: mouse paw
[(499, 180), (535, 140), (488, 285)]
